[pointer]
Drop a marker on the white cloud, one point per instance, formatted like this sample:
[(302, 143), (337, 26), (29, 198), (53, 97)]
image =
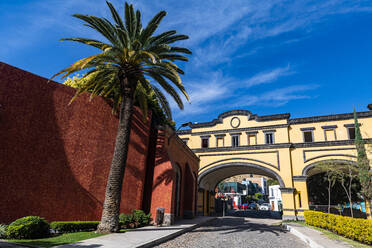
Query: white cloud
[(268, 76), (277, 97)]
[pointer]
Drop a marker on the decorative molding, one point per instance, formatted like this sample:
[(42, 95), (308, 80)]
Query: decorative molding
[(299, 178), (312, 165), (328, 143), (324, 118), (252, 132), (234, 134), (247, 129), (227, 165), (325, 150), (205, 136), (329, 127), (328, 155), (247, 113), (307, 128), (351, 125), (242, 148), (287, 190), (242, 153), (187, 131), (269, 131), (235, 125), (220, 135)]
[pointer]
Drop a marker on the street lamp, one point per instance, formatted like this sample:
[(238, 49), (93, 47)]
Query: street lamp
[(182, 125)]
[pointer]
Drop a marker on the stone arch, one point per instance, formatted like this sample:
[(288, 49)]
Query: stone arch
[(306, 170), (209, 178)]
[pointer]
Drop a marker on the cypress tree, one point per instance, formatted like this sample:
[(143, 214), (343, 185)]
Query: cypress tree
[(364, 170)]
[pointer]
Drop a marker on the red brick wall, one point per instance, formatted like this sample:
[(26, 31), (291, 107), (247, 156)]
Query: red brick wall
[(55, 157), (172, 152)]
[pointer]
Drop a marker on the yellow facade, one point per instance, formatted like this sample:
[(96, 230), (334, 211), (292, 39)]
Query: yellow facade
[(239, 142)]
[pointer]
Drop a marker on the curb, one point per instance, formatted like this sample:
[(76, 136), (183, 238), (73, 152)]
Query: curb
[(303, 237), (173, 235)]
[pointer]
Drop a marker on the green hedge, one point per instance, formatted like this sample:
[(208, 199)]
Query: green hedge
[(137, 218), (29, 227), (73, 226), (357, 229)]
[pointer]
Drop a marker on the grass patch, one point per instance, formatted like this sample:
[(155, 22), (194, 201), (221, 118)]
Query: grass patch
[(330, 234), (66, 238)]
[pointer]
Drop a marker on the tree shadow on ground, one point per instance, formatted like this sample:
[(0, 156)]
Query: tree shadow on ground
[(238, 224)]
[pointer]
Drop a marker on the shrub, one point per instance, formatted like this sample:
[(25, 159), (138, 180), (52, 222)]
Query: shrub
[(140, 217), (125, 219), (73, 226), (136, 219), (3, 229), (29, 227), (357, 229)]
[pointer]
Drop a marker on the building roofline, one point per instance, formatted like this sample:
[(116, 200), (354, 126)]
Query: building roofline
[(284, 116)]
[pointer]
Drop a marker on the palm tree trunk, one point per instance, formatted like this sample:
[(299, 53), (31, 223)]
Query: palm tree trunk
[(111, 207)]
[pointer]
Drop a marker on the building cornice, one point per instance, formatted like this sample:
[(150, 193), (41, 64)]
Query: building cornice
[(280, 145), (324, 118)]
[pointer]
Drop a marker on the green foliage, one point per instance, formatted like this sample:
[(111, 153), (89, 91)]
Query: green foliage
[(357, 229), (73, 226), (3, 229), (258, 196), (29, 227), (364, 171), (272, 181), (130, 55), (135, 219)]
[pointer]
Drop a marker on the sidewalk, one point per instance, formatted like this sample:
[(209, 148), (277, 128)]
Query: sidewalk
[(314, 238), (141, 237)]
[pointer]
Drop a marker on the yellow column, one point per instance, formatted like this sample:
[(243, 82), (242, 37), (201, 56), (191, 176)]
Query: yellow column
[(289, 205), (301, 196)]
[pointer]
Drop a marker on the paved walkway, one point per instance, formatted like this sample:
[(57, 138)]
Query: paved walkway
[(237, 232), (141, 237), (315, 238)]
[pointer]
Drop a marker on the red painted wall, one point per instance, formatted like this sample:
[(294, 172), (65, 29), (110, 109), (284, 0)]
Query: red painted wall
[(55, 157)]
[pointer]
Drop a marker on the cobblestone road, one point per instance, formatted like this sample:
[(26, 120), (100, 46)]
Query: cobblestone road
[(237, 232)]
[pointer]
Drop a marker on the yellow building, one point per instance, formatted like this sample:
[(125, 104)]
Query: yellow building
[(239, 142)]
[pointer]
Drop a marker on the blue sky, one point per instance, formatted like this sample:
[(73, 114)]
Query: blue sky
[(302, 57)]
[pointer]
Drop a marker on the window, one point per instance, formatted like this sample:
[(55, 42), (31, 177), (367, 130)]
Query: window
[(185, 140), (269, 138), (308, 136), (252, 138), (219, 142), (351, 131), (330, 134), (235, 140), (205, 142)]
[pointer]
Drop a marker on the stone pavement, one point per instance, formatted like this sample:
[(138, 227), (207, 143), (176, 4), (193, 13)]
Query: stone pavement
[(142, 237), (237, 232), (315, 238)]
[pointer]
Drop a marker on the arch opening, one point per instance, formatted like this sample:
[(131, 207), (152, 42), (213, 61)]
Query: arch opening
[(209, 179)]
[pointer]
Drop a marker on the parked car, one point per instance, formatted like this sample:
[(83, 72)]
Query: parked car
[(253, 205), (265, 206)]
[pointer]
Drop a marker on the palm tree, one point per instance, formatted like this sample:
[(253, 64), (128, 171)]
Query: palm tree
[(128, 60)]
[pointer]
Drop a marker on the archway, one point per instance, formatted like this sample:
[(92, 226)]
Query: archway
[(336, 201), (177, 190), (209, 178), (189, 185)]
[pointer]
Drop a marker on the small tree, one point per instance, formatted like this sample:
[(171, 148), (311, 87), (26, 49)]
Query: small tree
[(330, 177), (364, 171)]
